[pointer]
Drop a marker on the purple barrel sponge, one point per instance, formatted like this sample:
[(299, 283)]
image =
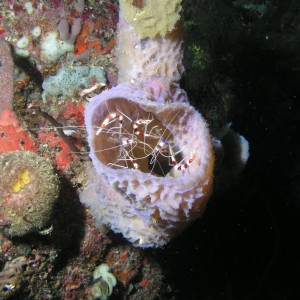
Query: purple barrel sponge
[(28, 189)]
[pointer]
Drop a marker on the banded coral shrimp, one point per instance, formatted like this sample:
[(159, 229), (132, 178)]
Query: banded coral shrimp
[(127, 136), (131, 139)]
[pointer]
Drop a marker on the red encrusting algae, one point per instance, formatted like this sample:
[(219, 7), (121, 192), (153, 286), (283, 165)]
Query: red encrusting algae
[(84, 43), (65, 156), (12, 136), (75, 111)]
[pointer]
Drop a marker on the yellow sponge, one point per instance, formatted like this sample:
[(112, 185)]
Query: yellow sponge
[(23, 179), (157, 17)]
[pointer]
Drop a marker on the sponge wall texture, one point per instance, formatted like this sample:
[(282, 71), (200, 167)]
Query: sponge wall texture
[(149, 208), (145, 58)]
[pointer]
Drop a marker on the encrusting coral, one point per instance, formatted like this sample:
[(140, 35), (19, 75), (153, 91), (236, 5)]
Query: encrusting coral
[(28, 189), (150, 148)]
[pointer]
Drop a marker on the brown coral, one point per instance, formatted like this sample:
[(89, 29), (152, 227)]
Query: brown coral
[(28, 190), (11, 278)]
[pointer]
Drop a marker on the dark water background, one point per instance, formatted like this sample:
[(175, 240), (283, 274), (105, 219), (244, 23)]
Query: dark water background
[(247, 244)]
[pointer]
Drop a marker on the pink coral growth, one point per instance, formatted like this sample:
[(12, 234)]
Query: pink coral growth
[(6, 76), (77, 274), (12, 136), (125, 263), (67, 34)]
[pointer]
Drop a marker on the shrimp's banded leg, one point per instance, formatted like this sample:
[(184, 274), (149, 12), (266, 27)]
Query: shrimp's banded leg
[(112, 117), (136, 125), (185, 164), (126, 142)]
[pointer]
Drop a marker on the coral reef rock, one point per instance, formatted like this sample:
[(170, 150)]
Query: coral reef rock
[(28, 189)]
